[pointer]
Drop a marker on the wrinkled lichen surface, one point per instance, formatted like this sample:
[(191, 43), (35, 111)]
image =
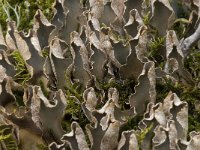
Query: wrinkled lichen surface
[(100, 75)]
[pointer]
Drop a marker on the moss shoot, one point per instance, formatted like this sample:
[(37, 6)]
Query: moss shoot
[(22, 74)]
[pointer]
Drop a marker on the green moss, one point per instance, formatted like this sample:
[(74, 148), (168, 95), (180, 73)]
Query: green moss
[(192, 94), (3, 135), (192, 64), (24, 13), (154, 49), (121, 38), (3, 18), (7, 137), (73, 111), (73, 107), (44, 89), (45, 53), (156, 44), (42, 147), (142, 134), (74, 89), (125, 89), (103, 26), (179, 27), (164, 87), (22, 75), (29, 9), (146, 18)]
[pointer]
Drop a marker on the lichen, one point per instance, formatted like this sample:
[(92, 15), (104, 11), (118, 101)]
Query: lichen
[(88, 47), (188, 94)]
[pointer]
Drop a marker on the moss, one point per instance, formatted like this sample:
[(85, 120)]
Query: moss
[(142, 134), (192, 64), (192, 95), (146, 18), (156, 44), (45, 53), (22, 75), (3, 135), (26, 11), (73, 111), (3, 19), (103, 26), (125, 89), (74, 89), (7, 138), (124, 38), (154, 49), (182, 22), (73, 107), (29, 11), (180, 26), (44, 89), (164, 87), (42, 147)]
